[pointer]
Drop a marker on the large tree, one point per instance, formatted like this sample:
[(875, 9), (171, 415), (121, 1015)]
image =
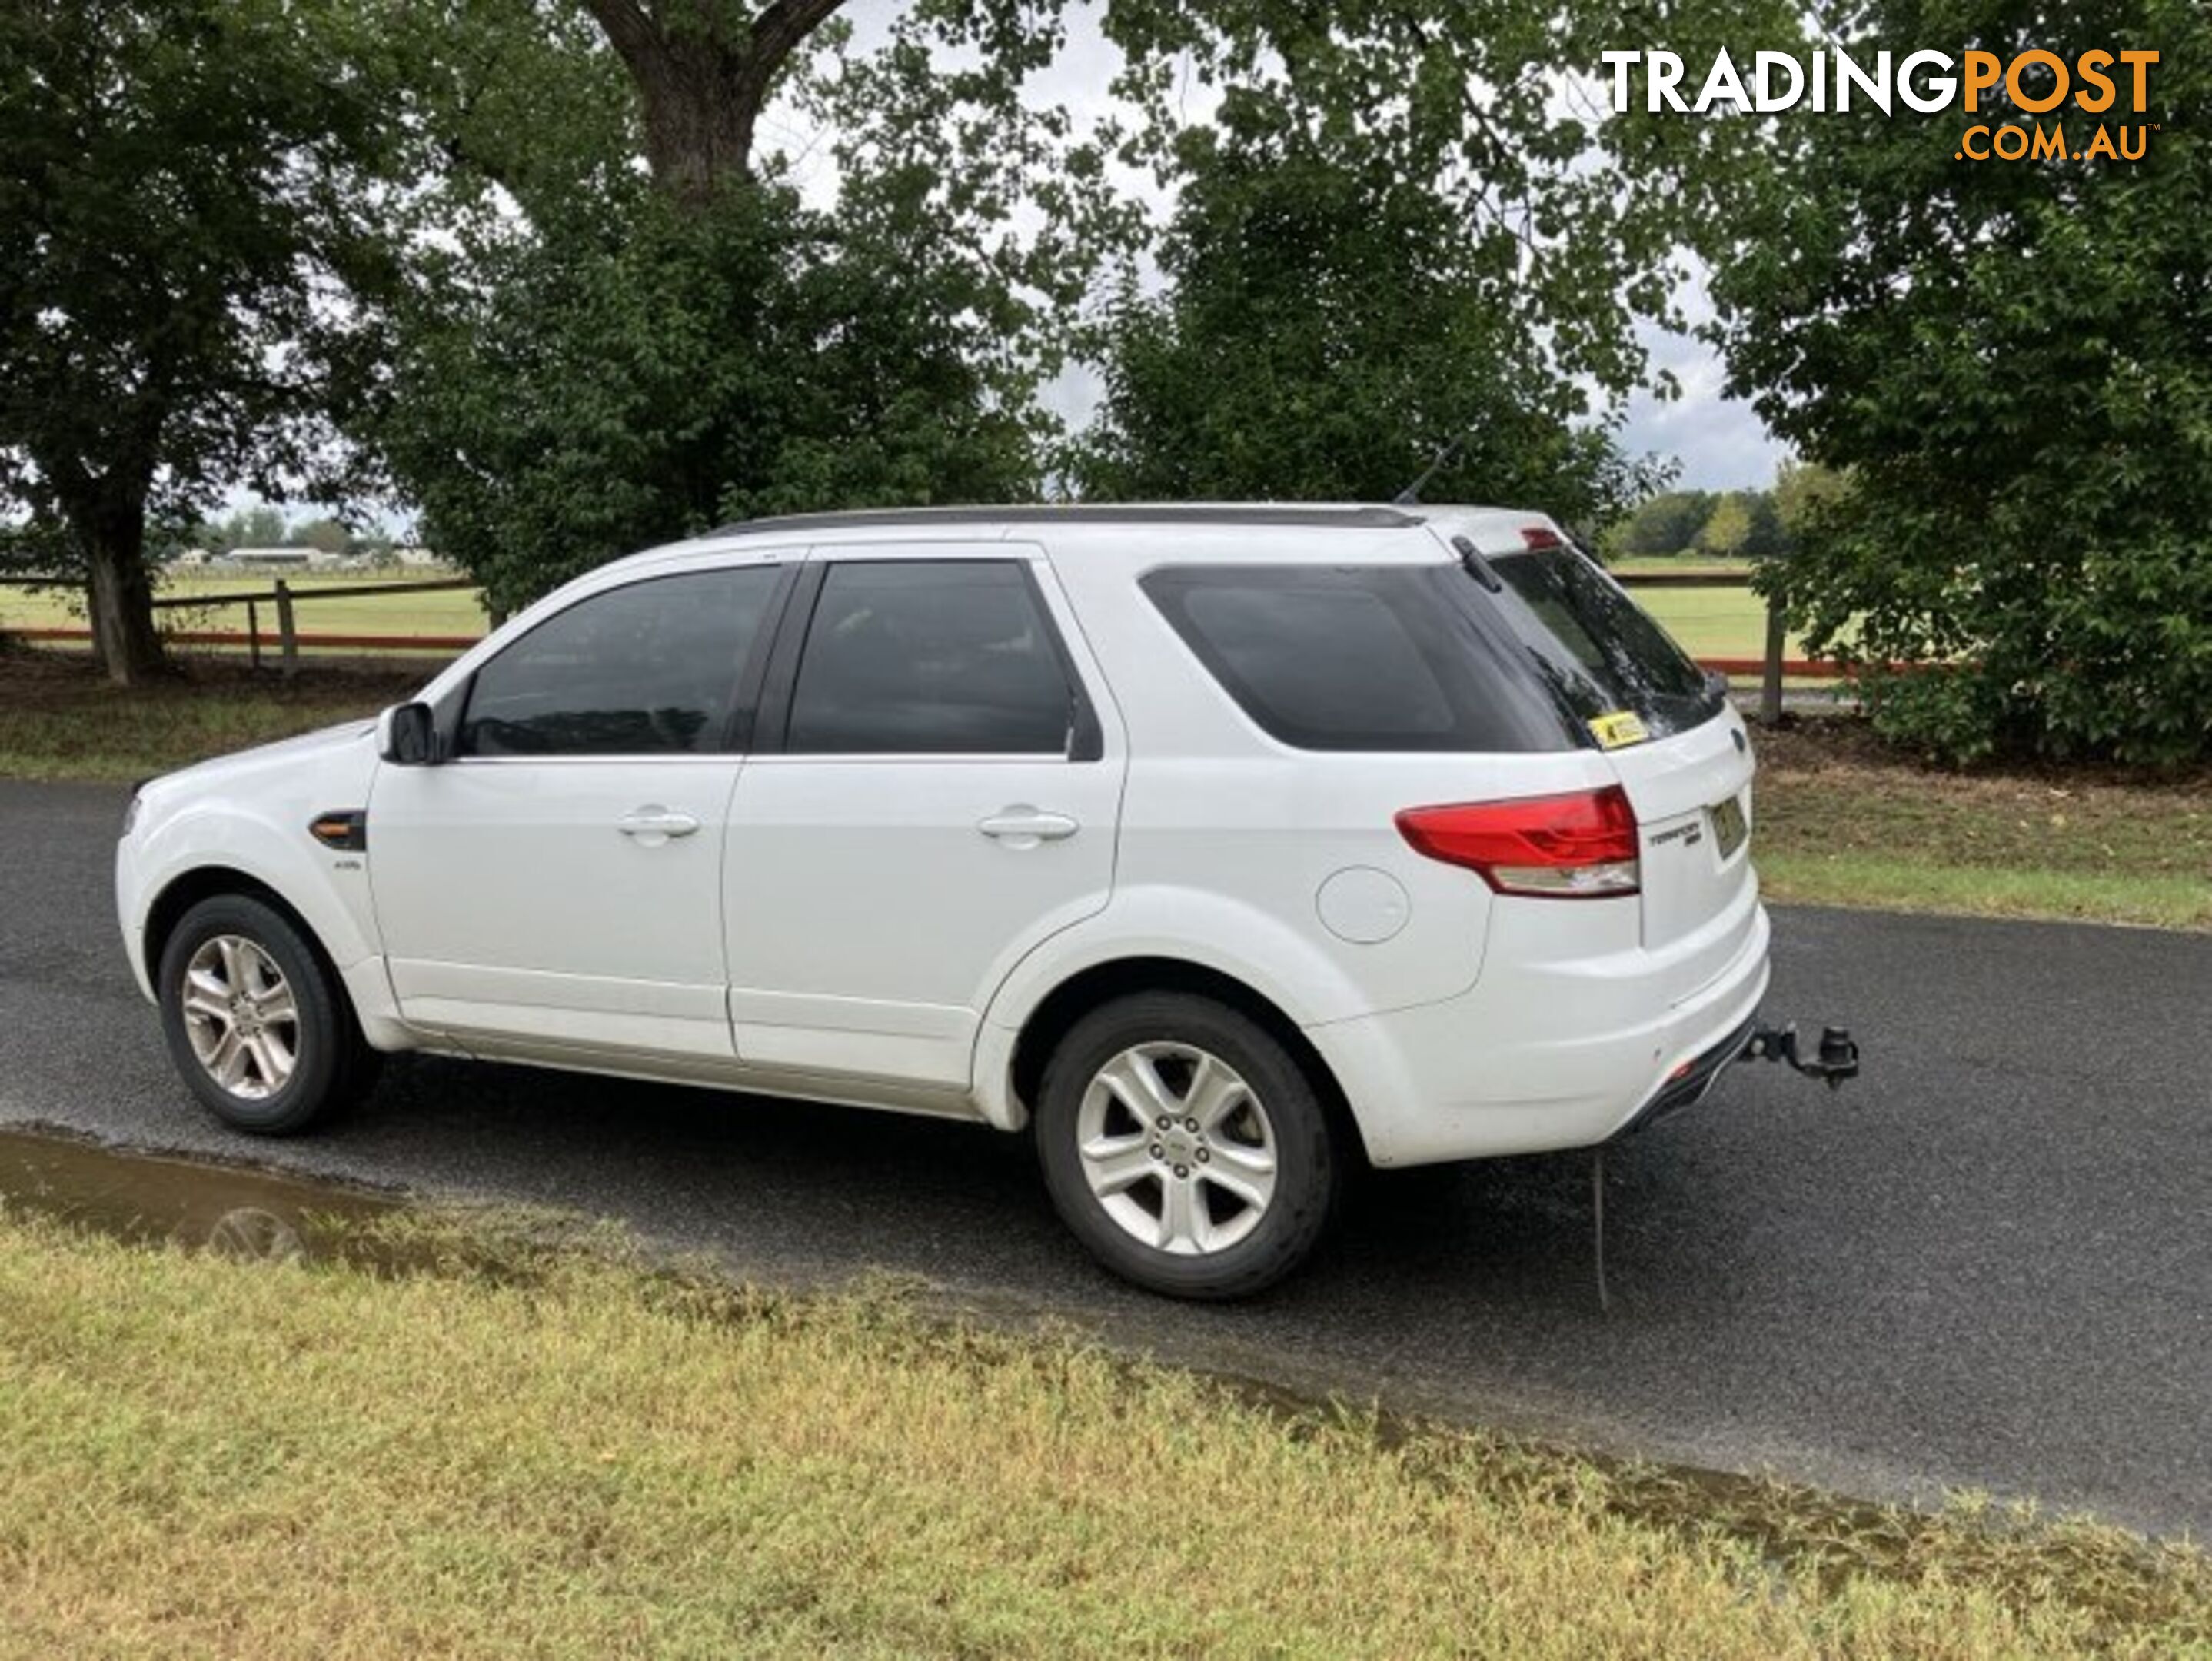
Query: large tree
[(588, 355), (1572, 217), (2012, 360), (1668, 523), (176, 180), (1325, 330), (1726, 533), (1401, 225)]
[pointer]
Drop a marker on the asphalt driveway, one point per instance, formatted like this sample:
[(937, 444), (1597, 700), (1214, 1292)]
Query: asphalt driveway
[(1987, 1264)]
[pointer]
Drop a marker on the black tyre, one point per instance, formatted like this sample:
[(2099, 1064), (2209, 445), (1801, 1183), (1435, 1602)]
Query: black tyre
[(1186, 1147), (259, 1029)]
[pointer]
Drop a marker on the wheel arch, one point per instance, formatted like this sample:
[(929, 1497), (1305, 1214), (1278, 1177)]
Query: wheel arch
[(351, 1061), (205, 882), (1056, 1013)]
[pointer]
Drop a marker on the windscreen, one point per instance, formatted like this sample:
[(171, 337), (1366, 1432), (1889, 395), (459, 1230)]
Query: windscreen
[(1601, 653)]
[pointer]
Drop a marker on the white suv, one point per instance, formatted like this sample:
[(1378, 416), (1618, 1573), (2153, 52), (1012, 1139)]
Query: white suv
[(1223, 845)]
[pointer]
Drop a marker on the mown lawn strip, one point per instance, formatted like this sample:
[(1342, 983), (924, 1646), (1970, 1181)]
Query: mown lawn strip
[(567, 1451)]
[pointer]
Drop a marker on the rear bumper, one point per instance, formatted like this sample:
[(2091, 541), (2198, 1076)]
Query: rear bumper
[(1687, 1085), (1568, 1060)]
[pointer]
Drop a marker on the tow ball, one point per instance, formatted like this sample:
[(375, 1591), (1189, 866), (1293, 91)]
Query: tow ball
[(1836, 1059)]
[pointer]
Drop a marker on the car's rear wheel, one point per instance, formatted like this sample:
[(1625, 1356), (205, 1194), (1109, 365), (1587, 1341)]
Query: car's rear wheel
[(258, 1026), (1185, 1146)]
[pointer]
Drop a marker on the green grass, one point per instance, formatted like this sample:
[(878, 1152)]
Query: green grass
[(1842, 822), (59, 720), (1899, 885), (1638, 563), (563, 1453), (1715, 623)]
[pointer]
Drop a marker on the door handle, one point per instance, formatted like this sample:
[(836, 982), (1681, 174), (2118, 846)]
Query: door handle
[(1023, 826), (654, 825)]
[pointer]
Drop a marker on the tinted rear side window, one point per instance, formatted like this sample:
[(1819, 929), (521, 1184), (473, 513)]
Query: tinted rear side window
[(1363, 657)]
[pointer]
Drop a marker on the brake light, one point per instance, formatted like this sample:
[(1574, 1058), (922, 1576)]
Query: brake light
[(1578, 845), (1537, 537)]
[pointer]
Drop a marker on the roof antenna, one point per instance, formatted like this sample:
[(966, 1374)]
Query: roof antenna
[(1445, 455)]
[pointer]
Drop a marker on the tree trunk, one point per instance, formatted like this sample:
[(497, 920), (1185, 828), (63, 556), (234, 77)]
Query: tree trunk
[(120, 594), (698, 120), (702, 77)]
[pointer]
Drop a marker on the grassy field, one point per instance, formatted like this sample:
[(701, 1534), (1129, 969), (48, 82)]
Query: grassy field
[(451, 612), (1711, 622), (554, 1452), (1716, 623), (1641, 564)]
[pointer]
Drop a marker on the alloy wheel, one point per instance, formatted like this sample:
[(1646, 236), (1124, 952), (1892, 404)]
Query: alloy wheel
[(241, 1016), (1177, 1148)]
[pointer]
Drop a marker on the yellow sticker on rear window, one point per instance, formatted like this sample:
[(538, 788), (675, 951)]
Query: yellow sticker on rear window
[(1622, 726)]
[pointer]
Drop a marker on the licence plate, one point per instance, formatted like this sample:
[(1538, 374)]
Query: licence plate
[(1729, 827)]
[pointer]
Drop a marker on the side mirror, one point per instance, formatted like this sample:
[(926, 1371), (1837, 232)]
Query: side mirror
[(407, 735)]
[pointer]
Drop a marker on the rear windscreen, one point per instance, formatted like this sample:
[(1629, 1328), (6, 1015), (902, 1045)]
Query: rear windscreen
[(1600, 651), (1360, 657)]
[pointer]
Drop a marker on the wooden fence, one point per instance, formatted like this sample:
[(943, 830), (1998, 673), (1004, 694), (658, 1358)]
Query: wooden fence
[(283, 603)]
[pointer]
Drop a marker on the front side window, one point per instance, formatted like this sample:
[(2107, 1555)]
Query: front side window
[(648, 669), (942, 657)]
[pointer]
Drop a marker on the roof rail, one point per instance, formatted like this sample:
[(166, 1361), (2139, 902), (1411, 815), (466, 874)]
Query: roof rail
[(1287, 513)]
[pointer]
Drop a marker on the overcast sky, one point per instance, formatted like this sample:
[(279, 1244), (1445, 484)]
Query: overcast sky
[(1721, 444)]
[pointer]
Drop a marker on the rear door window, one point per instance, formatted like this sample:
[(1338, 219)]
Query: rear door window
[(930, 657), (1357, 657)]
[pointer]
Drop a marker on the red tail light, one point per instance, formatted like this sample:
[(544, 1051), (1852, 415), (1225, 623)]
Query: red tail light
[(1580, 845), (1537, 537)]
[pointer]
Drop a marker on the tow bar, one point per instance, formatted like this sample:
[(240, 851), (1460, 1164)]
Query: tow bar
[(1837, 1060)]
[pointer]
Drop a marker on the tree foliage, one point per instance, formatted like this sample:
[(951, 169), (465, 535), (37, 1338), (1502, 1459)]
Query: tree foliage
[(2013, 362), (1571, 218), (258, 527), (1727, 532), (1732, 525), (1326, 329), (595, 393), (584, 361), (1666, 523), (324, 536), (179, 181), (1802, 491), (1396, 228)]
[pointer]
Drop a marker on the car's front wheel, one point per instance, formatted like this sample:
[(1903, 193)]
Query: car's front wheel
[(1185, 1146), (259, 1028)]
